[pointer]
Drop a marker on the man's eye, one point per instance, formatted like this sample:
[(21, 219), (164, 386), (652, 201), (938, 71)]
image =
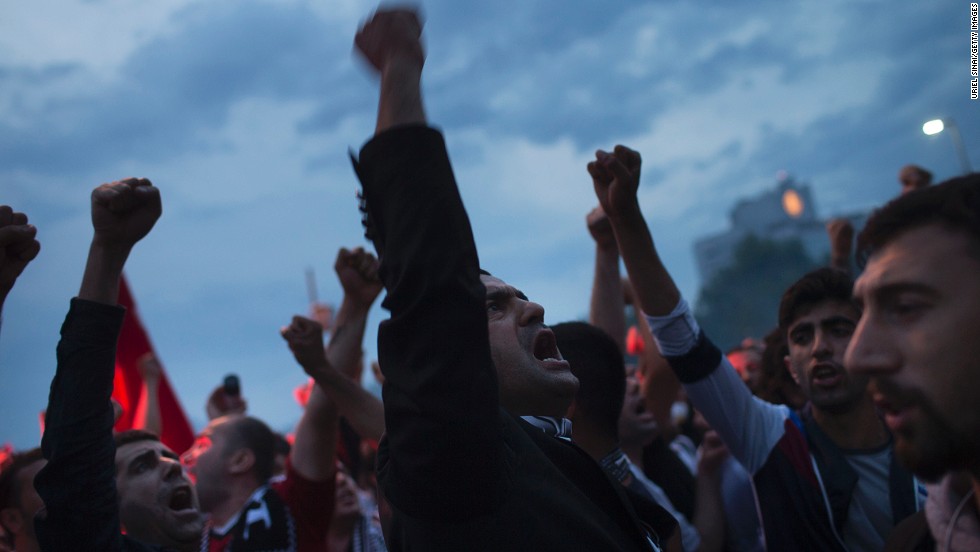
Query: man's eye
[(908, 309), (492, 306)]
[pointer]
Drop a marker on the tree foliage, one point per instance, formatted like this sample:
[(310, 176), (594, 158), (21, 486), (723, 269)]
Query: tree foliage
[(742, 299)]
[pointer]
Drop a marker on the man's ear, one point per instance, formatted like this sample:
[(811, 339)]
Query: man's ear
[(241, 461), (789, 369), (12, 520)]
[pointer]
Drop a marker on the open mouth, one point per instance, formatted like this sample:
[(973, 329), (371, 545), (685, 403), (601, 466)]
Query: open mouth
[(827, 375), (181, 499), (546, 350)]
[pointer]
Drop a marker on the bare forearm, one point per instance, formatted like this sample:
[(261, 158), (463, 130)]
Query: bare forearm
[(606, 308), (346, 341), (315, 448), (401, 94), (653, 287), (364, 411), (100, 282), (148, 409)]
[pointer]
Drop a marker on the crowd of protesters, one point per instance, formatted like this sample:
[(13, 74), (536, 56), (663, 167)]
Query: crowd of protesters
[(853, 426)]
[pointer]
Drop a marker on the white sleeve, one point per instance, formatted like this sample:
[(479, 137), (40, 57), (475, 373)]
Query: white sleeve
[(749, 426)]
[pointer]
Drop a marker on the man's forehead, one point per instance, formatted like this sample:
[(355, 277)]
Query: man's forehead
[(825, 311), (913, 256), (496, 285), (129, 451)]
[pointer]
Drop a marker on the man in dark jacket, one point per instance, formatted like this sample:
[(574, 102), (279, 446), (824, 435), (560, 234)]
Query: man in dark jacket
[(86, 479), (466, 356)]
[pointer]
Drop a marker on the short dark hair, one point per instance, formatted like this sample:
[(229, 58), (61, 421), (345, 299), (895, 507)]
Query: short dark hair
[(9, 485), (598, 364), (253, 434), (953, 204), (815, 287), (775, 383)]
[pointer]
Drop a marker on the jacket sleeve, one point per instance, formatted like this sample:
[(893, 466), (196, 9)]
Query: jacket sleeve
[(78, 484), (443, 437)]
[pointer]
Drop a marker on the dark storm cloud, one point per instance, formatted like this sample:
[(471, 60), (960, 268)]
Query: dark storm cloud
[(176, 87)]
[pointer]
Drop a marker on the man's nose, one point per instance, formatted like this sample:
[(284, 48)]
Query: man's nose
[(532, 313), (868, 351), (172, 468), (822, 345)]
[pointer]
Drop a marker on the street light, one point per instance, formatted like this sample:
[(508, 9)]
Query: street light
[(936, 126)]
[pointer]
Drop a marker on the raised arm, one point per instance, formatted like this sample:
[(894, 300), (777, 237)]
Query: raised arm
[(18, 247), (748, 426), (443, 445), (841, 234), (315, 446), (362, 409), (392, 43), (123, 213), (606, 304), (148, 414), (78, 483), (357, 271), (616, 178)]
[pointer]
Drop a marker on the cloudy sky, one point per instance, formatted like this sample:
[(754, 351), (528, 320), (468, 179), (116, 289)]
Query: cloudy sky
[(242, 112)]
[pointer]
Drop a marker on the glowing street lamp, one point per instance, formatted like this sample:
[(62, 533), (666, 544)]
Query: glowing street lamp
[(936, 126)]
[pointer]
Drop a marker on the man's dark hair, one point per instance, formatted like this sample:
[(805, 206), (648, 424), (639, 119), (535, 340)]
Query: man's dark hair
[(253, 434), (133, 436), (282, 445), (774, 378), (815, 287), (598, 364), (9, 485), (953, 204)]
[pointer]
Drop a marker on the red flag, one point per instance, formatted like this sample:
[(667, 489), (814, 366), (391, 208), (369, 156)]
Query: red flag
[(134, 343)]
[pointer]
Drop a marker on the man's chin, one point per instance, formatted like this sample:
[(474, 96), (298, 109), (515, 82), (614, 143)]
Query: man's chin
[(928, 461)]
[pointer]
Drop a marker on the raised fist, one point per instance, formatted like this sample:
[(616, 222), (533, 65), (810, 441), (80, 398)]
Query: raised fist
[(393, 34), (305, 339), (601, 229), (616, 178), (123, 212), (358, 274), (18, 247)]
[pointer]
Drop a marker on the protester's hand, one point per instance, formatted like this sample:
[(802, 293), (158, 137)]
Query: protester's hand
[(357, 271), (221, 404), (18, 247), (305, 339), (123, 212), (391, 34), (841, 234), (637, 427), (616, 177), (713, 454), (149, 368), (601, 229)]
